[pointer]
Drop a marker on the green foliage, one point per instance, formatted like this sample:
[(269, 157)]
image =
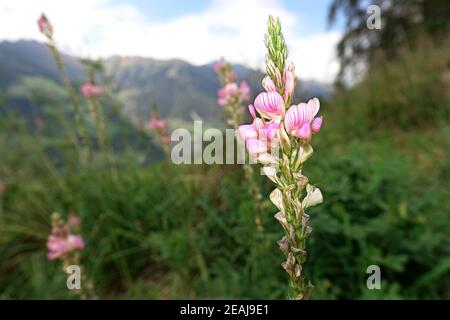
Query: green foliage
[(402, 23), (188, 231), (410, 93)]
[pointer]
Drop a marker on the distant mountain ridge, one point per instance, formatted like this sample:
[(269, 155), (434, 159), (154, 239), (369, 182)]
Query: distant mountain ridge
[(180, 89)]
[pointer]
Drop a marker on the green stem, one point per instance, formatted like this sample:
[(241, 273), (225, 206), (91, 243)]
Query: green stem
[(74, 102)]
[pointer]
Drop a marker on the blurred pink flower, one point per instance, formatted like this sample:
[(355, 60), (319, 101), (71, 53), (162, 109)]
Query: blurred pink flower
[(219, 65), (225, 93), (74, 220), (300, 120), (156, 123), (91, 90), (270, 105), (44, 26), (59, 246), (244, 88)]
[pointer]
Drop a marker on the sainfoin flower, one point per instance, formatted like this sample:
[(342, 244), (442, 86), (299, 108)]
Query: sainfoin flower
[(270, 105), (59, 246), (259, 137), (279, 137), (160, 128), (63, 238), (300, 120), (156, 123), (91, 90), (44, 26)]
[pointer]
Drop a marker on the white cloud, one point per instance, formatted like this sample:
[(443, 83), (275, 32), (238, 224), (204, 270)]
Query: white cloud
[(233, 29)]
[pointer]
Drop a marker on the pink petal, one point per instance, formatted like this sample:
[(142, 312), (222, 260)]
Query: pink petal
[(255, 146), (304, 132), (289, 66), (317, 124), (268, 84), (295, 117), (270, 104), (247, 131), (231, 88), (313, 108), (56, 247), (222, 101), (252, 111), (52, 255), (289, 84), (75, 242), (271, 130)]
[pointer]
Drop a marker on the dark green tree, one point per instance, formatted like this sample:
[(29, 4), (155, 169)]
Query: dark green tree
[(402, 23)]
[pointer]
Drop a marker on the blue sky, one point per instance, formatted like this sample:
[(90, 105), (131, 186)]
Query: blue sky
[(198, 31)]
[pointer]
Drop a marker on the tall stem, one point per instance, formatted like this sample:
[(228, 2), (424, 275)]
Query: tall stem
[(74, 102)]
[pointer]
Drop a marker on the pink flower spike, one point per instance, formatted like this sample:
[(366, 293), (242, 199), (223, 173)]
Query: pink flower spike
[(270, 105), (156, 123), (268, 84), (91, 90), (44, 26), (317, 124)]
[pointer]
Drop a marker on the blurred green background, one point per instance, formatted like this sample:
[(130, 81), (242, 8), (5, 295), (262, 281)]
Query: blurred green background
[(155, 230)]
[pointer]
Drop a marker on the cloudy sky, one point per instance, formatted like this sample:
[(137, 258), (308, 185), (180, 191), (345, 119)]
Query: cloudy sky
[(199, 31)]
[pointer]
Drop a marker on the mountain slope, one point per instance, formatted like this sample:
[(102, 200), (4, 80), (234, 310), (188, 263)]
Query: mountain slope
[(181, 90)]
